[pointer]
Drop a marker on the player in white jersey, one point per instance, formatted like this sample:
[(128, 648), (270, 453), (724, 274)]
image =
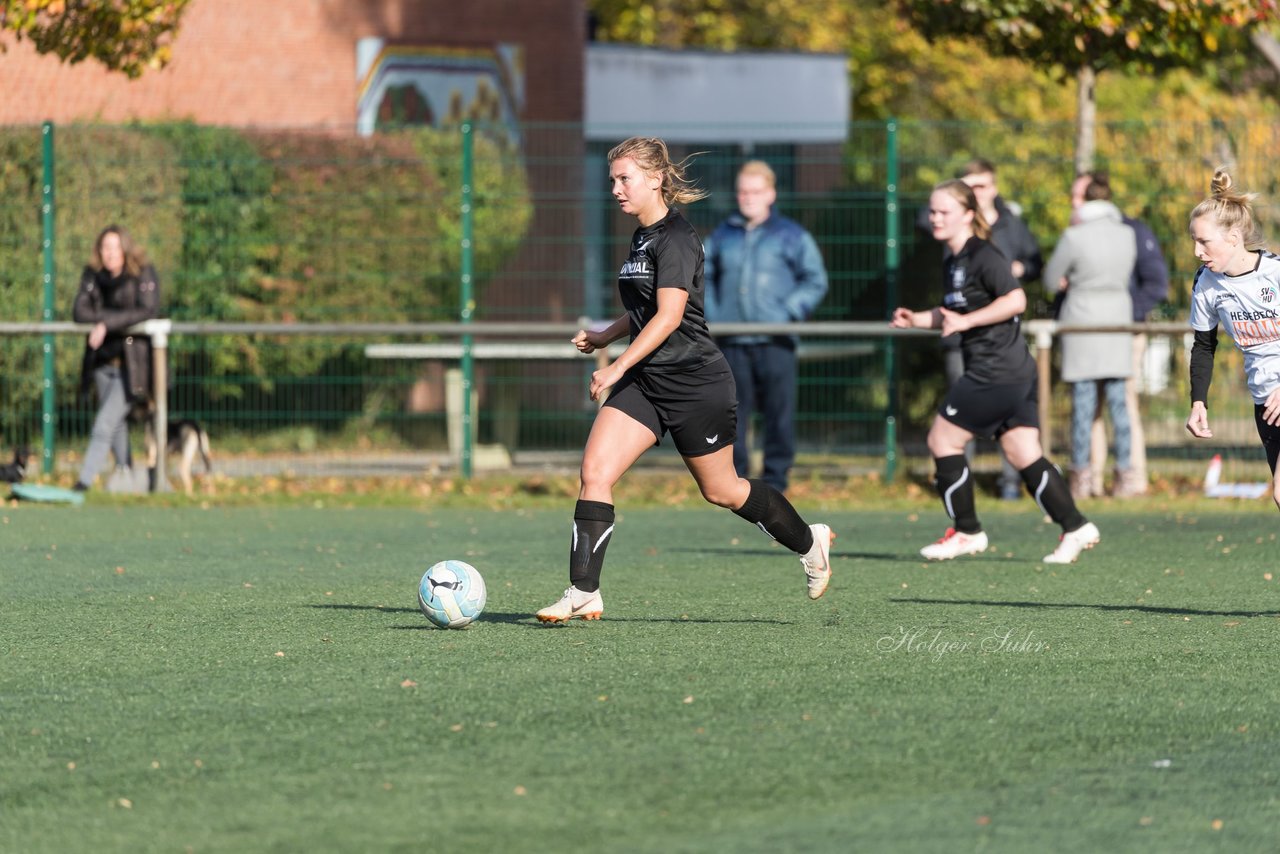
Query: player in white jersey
[(1238, 287)]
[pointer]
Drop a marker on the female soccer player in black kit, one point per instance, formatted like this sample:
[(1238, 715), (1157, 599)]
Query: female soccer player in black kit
[(996, 396), (671, 379)]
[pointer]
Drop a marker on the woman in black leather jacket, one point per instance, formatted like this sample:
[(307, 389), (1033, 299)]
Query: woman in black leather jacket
[(118, 289)]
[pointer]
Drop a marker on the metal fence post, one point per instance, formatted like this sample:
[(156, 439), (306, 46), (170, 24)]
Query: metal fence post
[(891, 265), (46, 210), (1043, 338), (467, 297), (158, 330)]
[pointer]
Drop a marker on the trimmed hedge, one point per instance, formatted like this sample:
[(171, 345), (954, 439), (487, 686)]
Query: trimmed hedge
[(253, 226)]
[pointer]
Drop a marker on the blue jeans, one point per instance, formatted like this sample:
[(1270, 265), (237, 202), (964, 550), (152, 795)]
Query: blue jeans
[(1084, 404), (765, 375)]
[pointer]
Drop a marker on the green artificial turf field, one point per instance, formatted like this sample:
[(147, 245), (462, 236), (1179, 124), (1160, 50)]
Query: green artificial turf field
[(259, 679)]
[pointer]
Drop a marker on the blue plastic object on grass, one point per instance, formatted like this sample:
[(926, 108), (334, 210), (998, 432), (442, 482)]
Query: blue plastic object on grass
[(47, 494)]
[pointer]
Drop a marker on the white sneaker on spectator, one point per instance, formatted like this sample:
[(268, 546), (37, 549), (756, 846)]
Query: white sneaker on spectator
[(954, 543), (573, 604), (817, 563), (1072, 543)]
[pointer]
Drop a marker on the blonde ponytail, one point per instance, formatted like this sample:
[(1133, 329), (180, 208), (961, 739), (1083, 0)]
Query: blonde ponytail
[(1228, 208)]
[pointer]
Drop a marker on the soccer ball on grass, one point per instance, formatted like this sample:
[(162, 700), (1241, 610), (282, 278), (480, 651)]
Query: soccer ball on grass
[(451, 594)]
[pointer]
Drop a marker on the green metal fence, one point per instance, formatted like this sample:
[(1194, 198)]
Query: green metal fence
[(322, 226)]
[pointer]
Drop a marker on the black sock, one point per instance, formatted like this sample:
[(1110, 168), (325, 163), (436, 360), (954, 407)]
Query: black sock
[(592, 528), (770, 511), (954, 483), (1051, 492)]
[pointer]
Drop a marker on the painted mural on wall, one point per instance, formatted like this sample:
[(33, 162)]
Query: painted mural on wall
[(401, 84)]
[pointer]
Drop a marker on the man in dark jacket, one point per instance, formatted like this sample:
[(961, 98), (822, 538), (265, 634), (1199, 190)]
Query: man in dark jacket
[(761, 267), (1148, 287)]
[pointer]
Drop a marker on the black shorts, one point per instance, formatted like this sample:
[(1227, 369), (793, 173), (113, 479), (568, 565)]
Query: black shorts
[(1270, 436), (988, 410), (699, 407)]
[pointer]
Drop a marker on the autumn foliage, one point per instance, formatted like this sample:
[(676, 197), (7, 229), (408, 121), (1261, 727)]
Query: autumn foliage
[(1136, 35), (130, 36)]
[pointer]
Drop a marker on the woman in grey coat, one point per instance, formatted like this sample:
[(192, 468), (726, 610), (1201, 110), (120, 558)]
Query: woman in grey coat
[(1092, 263)]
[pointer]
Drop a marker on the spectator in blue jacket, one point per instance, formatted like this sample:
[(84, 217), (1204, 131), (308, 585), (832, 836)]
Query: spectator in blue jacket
[(763, 268), (1148, 287)]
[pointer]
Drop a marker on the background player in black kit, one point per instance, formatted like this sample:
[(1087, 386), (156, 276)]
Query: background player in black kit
[(996, 396), (671, 379)]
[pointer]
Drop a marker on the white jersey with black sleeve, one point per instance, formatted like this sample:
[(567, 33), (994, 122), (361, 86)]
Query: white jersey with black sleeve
[(1248, 308)]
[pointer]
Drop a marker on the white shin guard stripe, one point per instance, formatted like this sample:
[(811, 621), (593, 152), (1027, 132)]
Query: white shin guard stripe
[(603, 537), (1044, 483), (946, 496)]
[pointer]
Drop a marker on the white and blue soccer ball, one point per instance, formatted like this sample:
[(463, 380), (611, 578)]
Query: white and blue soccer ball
[(451, 594)]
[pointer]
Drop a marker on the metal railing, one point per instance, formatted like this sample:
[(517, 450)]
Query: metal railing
[(528, 343), (515, 354), (251, 228)]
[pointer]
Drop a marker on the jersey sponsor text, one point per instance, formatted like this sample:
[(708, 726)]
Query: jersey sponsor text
[(1250, 333), (635, 269)]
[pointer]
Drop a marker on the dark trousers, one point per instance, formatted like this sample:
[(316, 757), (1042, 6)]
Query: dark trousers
[(765, 375), (1010, 480)]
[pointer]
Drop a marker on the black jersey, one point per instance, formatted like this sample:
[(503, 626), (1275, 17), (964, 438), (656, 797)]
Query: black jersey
[(974, 278), (668, 254)]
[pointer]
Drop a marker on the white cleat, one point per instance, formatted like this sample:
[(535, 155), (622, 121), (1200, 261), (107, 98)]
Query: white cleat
[(574, 604), (1072, 543), (954, 543), (817, 563)]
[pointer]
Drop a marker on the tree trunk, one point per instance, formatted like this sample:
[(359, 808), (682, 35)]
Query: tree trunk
[(1086, 119), (1267, 44)]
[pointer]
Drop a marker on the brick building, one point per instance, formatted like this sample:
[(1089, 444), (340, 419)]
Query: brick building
[(294, 62), (344, 65)]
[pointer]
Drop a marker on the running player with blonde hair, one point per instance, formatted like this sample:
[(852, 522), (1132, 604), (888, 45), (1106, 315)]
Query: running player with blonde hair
[(1237, 287), (670, 379)]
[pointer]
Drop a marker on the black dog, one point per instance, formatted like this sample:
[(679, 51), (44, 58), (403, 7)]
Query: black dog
[(15, 471)]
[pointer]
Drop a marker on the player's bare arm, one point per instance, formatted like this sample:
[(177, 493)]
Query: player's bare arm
[(671, 303), (589, 342), (1001, 309), (905, 318)]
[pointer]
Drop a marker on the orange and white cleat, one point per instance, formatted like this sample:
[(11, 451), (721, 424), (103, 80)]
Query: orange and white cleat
[(1072, 543), (817, 563), (575, 604), (954, 544)]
